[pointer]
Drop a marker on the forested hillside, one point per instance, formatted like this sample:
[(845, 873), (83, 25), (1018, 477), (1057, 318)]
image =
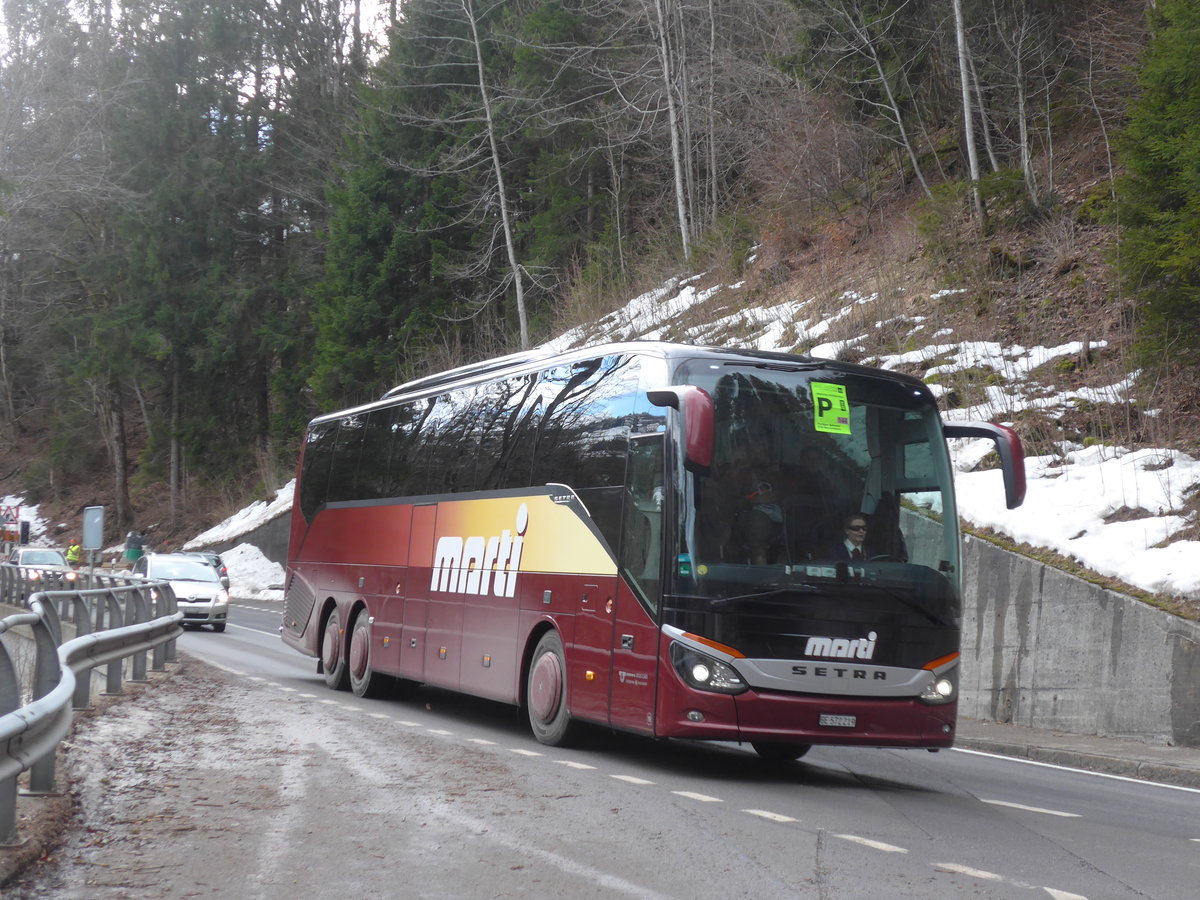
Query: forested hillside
[(219, 217)]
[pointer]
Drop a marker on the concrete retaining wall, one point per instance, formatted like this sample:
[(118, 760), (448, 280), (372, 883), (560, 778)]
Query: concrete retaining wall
[(1045, 649)]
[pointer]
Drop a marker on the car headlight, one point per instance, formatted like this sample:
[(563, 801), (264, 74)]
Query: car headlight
[(222, 598), (35, 575), (704, 672), (70, 576), (942, 689)]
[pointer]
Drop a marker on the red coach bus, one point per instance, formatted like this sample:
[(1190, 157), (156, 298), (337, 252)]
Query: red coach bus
[(657, 538)]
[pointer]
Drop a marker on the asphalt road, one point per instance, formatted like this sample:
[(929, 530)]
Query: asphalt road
[(268, 784)]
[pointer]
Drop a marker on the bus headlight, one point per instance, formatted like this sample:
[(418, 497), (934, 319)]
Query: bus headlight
[(942, 689), (704, 672)]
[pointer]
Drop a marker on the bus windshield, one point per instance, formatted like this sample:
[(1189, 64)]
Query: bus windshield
[(827, 499)]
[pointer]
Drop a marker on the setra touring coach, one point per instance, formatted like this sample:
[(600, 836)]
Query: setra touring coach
[(670, 540)]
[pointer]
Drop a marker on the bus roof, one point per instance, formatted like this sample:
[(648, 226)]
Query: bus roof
[(533, 360)]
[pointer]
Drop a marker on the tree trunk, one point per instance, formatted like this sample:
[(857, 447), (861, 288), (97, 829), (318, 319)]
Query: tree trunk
[(115, 414), (968, 119), (505, 217), (175, 451), (664, 59)]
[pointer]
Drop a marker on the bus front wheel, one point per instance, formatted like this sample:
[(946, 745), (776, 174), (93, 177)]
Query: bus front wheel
[(546, 692), (333, 653)]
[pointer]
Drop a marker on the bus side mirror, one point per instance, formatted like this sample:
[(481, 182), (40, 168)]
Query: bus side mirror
[(1008, 445), (696, 405)]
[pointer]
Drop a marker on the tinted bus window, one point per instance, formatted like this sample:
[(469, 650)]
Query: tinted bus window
[(508, 415), (376, 451), (314, 478), (584, 434), (343, 472), (445, 460)]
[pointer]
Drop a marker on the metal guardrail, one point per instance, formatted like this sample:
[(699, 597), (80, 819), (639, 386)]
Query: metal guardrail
[(115, 621)]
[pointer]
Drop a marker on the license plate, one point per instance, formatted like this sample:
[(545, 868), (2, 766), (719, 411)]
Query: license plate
[(837, 721)]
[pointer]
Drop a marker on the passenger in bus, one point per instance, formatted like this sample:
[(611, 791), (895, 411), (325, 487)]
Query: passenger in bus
[(752, 505), (853, 545)]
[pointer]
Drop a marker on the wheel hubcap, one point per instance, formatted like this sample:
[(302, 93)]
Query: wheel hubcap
[(359, 652), (545, 687), (329, 649)]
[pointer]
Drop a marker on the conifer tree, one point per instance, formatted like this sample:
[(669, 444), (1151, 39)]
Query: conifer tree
[(1159, 200)]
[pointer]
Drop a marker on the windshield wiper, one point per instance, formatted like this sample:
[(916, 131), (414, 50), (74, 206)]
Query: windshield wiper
[(799, 588)]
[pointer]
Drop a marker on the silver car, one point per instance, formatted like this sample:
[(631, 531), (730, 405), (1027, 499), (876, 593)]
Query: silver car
[(202, 598)]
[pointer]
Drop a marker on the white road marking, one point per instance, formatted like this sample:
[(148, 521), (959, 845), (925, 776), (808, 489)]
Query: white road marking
[(1036, 809), (632, 779), (273, 632), (967, 870), (770, 816), (1044, 765), (692, 795), (953, 868), (874, 845)]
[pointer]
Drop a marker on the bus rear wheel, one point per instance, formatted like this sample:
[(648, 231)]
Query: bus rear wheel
[(780, 752), (333, 653), (546, 692), (364, 682)]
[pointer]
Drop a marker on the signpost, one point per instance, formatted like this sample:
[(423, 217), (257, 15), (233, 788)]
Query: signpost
[(93, 533)]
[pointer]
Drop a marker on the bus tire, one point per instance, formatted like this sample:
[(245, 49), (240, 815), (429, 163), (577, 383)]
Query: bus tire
[(779, 753), (333, 653), (546, 692), (364, 682)]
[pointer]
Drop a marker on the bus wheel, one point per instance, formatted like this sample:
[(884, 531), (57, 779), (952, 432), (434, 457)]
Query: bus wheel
[(333, 656), (363, 681), (780, 752), (546, 692)]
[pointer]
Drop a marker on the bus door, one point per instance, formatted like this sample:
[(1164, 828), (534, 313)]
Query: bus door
[(416, 597), (639, 588), (591, 653)]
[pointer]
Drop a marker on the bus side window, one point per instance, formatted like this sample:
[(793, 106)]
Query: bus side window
[(373, 460), (445, 459), (343, 471), (314, 477), (642, 538), (508, 410), (584, 433)]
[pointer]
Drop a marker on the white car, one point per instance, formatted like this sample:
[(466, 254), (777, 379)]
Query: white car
[(202, 597), (44, 569)]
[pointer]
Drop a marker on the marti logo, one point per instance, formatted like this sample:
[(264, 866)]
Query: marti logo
[(842, 648), (467, 565)]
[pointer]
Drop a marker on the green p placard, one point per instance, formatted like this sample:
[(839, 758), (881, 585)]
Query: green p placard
[(831, 410)]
